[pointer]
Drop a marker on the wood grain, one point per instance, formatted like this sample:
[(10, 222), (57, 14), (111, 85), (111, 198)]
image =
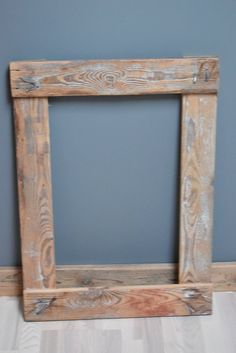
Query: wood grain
[(116, 292), (116, 302), (115, 275), (34, 189), (223, 276), (197, 178), (10, 281), (114, 77)]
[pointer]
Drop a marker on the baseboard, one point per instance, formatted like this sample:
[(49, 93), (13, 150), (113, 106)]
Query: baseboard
[(223, 276)]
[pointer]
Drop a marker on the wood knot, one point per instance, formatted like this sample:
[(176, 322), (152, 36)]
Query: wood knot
[(87, 282), (32, 83), (42, 304)]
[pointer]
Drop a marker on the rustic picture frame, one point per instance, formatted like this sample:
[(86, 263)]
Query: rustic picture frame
[(138, 292)]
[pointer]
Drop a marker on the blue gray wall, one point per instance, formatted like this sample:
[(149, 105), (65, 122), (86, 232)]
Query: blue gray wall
[(115, 160)]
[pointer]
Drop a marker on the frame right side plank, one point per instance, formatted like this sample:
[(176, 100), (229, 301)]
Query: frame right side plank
[(196, 195)]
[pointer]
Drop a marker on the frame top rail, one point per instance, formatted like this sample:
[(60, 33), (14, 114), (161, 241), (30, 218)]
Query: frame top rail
[(114, 77)]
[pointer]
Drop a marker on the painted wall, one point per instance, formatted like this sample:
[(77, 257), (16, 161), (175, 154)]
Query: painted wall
[(115, 160)]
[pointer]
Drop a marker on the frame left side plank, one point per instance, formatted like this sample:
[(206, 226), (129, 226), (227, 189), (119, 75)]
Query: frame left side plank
[(34, 190)]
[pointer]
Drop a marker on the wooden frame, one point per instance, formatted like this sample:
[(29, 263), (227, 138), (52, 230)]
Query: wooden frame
[(196, 79)]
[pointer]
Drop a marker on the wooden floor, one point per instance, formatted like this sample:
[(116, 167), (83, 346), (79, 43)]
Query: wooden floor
[(209, 334)]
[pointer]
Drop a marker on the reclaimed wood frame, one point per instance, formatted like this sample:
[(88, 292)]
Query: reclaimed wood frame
[(196, 79)]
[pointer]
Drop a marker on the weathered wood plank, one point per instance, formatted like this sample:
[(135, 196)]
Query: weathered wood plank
[(34, 189), (197, 177), (223, 276), (10, 281), (114, 77), (115, 275), (116, 302)]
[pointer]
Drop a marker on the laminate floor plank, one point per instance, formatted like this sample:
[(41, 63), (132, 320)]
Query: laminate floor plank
[(172, 335), (10, 323)]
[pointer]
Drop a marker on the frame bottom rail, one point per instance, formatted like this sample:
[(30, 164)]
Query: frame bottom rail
[(118, 302)]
